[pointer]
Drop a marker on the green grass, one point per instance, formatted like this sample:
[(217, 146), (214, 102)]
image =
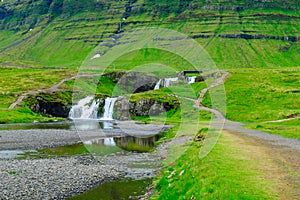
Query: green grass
[(226, 173), (288, 129), (22, 115), (65, 42), (258, 95), (17, 80)]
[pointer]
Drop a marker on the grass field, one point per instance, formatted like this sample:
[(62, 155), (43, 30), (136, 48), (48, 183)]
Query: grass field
[(289, 129), (15, 81), (65, 42), (228, 172), (255, 96)]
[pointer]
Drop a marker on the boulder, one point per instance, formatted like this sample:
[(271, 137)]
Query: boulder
[(136, 82)]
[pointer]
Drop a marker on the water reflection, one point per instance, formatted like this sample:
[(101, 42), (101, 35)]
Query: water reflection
[(11, 154), (108, 138), (130, 143), (102, 142), (127, 143), (68, 125)]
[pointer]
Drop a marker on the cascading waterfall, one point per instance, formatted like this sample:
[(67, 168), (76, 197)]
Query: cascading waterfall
[(157, 86), (109, 108), (86, 108), (166, 82), (191, 79), (109, 142)]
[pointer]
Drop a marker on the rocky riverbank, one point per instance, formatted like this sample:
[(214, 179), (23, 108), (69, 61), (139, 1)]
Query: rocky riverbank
[(62, 177), (59, 178), (52, 178)]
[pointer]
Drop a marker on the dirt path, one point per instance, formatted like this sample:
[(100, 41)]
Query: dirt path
[(284, 120), (278, 166), (277, 157), (51, 89)]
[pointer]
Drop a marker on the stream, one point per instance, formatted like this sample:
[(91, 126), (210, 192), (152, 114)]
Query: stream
[(107, 141)]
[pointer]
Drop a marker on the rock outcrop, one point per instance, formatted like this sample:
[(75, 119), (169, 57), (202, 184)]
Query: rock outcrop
[(124, 108), (52, 104), (136, 82)]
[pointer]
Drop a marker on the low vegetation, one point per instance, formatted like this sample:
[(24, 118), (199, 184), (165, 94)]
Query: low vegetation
[(226, 173), (288, 129), (255, 96), (23, 115)]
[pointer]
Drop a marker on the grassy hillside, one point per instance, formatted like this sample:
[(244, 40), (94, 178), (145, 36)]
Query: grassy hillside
[(59, 34), (34, 33)]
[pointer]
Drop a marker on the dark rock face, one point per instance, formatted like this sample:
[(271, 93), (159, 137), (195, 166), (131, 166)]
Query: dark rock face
[(55, 104), (245, 36), (55, 109), (136, 82), (124, 109), (142, 107), (200, 79), (121, 109), (101, 106), (133, 82)]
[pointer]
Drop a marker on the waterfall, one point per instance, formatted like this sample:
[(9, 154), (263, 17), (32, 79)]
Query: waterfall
[(86, 108), (191, 79), (157, 86), (168, 81), (109, 108), (109, 142)]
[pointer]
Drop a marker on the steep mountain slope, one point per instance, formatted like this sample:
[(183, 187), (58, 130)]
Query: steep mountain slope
[(60, 33)]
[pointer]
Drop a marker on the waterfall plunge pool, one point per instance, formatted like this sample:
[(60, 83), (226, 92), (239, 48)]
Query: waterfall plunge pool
[(109, 138), (99, 147)]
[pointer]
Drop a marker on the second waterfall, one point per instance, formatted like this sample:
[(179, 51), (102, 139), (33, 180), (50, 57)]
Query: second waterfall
[(109, 108)]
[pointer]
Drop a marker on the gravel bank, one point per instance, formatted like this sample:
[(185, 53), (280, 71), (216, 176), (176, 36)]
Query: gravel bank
[(63, 177), (52, 178), (59, 178)]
